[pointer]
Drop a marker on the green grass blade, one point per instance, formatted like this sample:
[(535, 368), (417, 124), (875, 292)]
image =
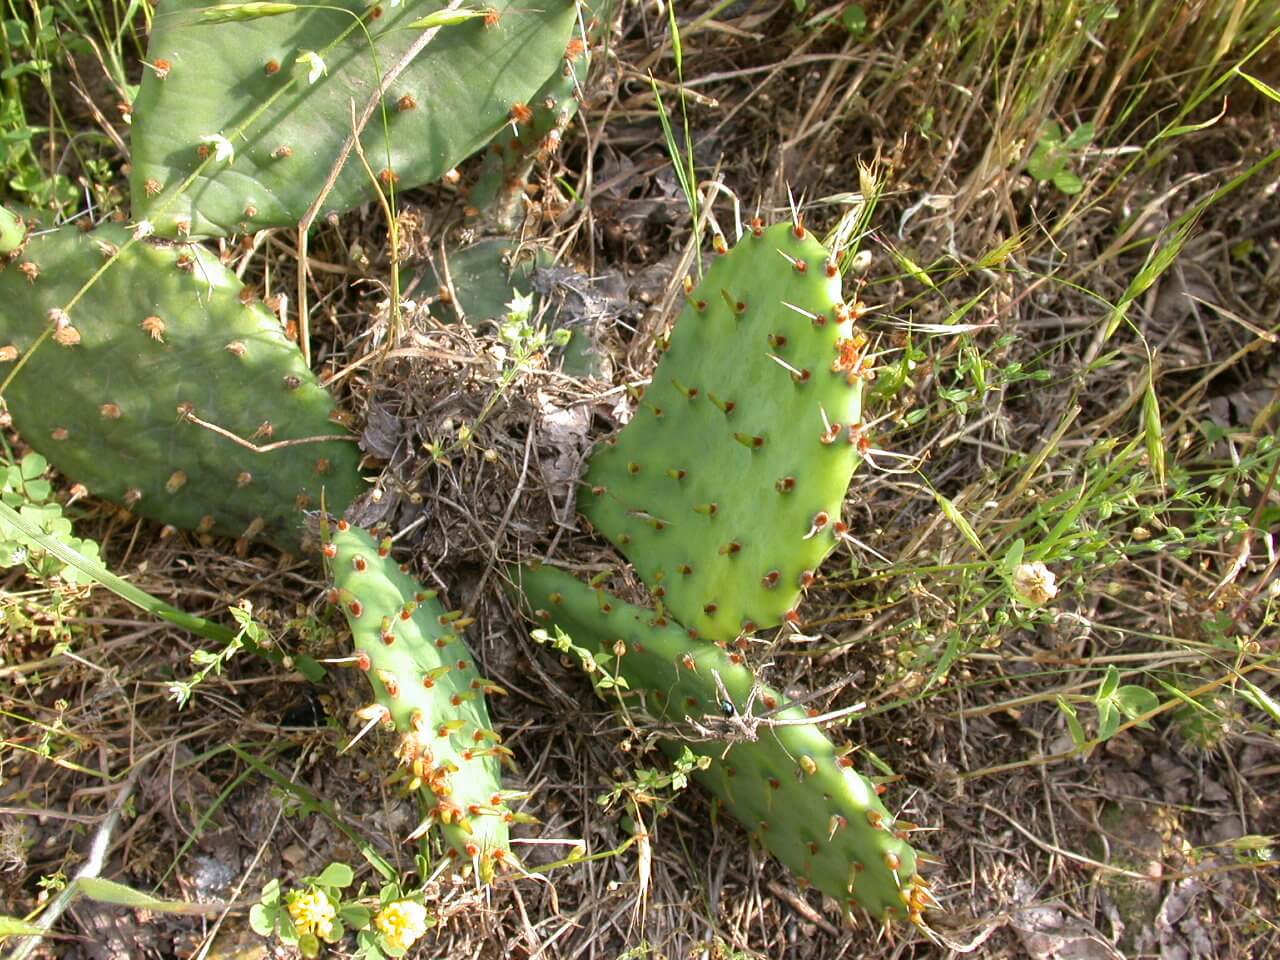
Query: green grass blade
[(145, 601)]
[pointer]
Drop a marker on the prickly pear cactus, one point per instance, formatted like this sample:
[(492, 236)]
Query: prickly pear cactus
[(141, 390), (792, 788), (425, 686), (511, 157), (251, 102), (725, 490)]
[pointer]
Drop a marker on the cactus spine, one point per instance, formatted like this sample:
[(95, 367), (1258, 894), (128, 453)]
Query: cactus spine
[(425, 686)]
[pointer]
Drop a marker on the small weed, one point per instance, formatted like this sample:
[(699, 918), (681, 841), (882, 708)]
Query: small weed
[(23, 487), (249, 630), (321, 911), (650, 786), (1050, 162)]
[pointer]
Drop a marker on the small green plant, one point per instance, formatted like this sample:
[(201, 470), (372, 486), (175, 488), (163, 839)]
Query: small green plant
[(524, 336), (1113, 701), (654, 787), (249, 633), (322, 912), (1051, 159), (25, 489)]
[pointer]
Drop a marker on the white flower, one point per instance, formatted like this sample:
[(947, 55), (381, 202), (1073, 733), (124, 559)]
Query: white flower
[(315, 66), (223, 151), (1035, 583)]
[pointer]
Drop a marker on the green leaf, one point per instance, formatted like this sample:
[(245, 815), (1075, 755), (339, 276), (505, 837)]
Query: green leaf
[(13, 927), (1134, 701), (335, 875), (262, 919), (1068, 181), (1081, 136), (1110, 683), (355, 916), (959, 522), (1263, 88), (1012, 557), (854, 19), (32, 466), (1259, 698), (38, 489), (1108, 720), (1045, 162), (108, 891), (1073, 724)]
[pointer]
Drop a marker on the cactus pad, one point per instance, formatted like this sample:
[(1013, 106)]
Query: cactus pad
[(281, 92), (725, 489), (791, 787), (426, 686), (511, 157), (164, 337)]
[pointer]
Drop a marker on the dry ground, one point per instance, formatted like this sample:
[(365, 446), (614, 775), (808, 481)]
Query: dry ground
[(1131, 851)]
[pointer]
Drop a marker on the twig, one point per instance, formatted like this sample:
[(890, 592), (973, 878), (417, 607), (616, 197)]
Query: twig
[(92, 867), (256, 448), (308, 218)]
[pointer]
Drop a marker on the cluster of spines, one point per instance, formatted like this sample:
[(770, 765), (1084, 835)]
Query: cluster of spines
[(426, 686)]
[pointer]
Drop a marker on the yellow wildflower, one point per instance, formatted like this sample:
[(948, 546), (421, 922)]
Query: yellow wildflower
[(312, 912), (402, 923)]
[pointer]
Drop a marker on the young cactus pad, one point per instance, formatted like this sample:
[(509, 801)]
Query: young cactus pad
[(725, 489), (425, 685), (254, 101), (498, 192), (165, 337), (795, 792)]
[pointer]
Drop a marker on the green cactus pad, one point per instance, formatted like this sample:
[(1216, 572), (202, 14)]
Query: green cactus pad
[(426, 686), (794, 791), (285, 120), (483, 277), (725, 490), (513, 153), (164, 337)]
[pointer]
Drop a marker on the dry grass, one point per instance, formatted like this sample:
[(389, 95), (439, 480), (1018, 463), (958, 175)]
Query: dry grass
[(1133, 851)]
